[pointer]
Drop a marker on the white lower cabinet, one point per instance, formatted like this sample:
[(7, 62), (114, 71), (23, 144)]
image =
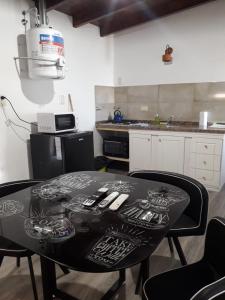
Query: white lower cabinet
[(206, 162), (140, 151), (168, 153), (200, 156), (211, 179)]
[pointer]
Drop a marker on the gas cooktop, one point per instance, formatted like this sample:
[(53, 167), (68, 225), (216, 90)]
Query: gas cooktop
[(131, 122)]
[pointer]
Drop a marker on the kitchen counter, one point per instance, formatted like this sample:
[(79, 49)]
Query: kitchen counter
[(149, 125)]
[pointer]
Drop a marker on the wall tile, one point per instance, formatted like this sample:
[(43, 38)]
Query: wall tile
[(147, 92), (180, 110), (209, 91), (121, 95), (184, 101), (134, 111), (216, 110), (104, 94), (176, 93)]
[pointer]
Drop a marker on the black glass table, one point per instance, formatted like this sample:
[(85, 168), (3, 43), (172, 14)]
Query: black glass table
[(51, 220)]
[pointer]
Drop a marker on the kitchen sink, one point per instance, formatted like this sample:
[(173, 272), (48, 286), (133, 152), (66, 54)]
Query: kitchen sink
[(218, 125), (168, 125)]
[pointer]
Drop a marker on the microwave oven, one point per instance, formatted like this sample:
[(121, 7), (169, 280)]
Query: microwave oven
[(56, 122), (117, 147)]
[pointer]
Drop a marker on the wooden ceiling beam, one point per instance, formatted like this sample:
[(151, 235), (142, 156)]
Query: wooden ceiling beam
[(100, 9), (142, 12), (53, 4), (115, 15)]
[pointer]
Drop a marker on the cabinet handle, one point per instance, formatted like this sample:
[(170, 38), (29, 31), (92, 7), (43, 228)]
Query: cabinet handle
[(148, 140), (206, 147), (160, 140), (204, 162), (204, 178)]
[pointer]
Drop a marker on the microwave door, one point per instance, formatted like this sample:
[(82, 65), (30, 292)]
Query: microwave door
[(64, 122)]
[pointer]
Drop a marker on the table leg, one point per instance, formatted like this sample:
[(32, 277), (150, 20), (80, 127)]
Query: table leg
[(50, 287), (116, 286), (145, 273), (48, 278)]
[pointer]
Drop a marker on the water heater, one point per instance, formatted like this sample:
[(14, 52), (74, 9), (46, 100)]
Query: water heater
[(45, 45), (45, 50)]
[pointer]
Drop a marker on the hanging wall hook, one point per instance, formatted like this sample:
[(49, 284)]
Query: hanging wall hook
[(167, 57)]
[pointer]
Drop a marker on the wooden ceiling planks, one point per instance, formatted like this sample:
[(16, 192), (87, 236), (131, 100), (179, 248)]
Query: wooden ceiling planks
[(114, 15)]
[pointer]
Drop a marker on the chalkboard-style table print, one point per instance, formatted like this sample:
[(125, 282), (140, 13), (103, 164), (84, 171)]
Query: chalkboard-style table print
[(120, 186), (153, 211), (116, 244), (53, 228), (10, 207), (51, 191), (77, 182), (56, 225)]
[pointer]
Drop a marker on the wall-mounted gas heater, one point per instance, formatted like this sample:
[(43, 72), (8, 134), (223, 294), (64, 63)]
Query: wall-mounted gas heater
[(45, 46)]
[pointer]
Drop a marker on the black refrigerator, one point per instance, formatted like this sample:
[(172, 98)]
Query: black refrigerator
[(56, 154)]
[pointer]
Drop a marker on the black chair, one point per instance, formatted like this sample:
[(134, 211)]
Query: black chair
[(203, 280), (194, 219), (8, 248)]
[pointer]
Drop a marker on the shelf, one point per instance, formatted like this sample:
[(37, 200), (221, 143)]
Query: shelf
[(112, 129), (117, 158)]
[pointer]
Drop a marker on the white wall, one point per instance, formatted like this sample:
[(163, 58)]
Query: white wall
[(90, 62), (197, 36)]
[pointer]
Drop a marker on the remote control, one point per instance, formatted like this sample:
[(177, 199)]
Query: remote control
[(118, 202), (100, 193), (108, 199), (96, 196), (89, 202)]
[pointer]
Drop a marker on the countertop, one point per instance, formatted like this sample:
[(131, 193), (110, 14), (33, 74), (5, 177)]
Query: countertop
[(149, 125)]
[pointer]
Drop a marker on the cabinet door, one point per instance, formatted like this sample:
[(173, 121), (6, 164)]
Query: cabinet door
[(168, 153), (79, 153), (140, 152)]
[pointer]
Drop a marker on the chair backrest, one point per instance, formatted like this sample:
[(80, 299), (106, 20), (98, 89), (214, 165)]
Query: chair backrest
[(215, 245), (198, 206), (15, 186)]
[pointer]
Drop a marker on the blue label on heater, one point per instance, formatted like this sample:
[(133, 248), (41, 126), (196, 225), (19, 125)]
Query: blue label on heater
[(45, 38), (53, 39)]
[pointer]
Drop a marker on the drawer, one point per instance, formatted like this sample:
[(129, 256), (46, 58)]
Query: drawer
[(206, 146), (208, 178), (205, 162)]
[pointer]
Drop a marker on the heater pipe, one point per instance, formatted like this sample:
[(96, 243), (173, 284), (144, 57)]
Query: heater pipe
[(42, 12)]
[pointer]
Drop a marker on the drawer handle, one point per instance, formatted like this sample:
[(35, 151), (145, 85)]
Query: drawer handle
[(204, 178), (206, 147)]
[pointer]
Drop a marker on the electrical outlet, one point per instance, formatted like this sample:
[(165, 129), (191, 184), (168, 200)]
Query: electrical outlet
[(144, 108)]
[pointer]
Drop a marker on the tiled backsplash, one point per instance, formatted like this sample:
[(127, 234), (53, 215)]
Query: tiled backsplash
[(183, 101)]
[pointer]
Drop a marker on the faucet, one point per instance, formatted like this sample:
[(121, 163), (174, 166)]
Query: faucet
[(170, 120)]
